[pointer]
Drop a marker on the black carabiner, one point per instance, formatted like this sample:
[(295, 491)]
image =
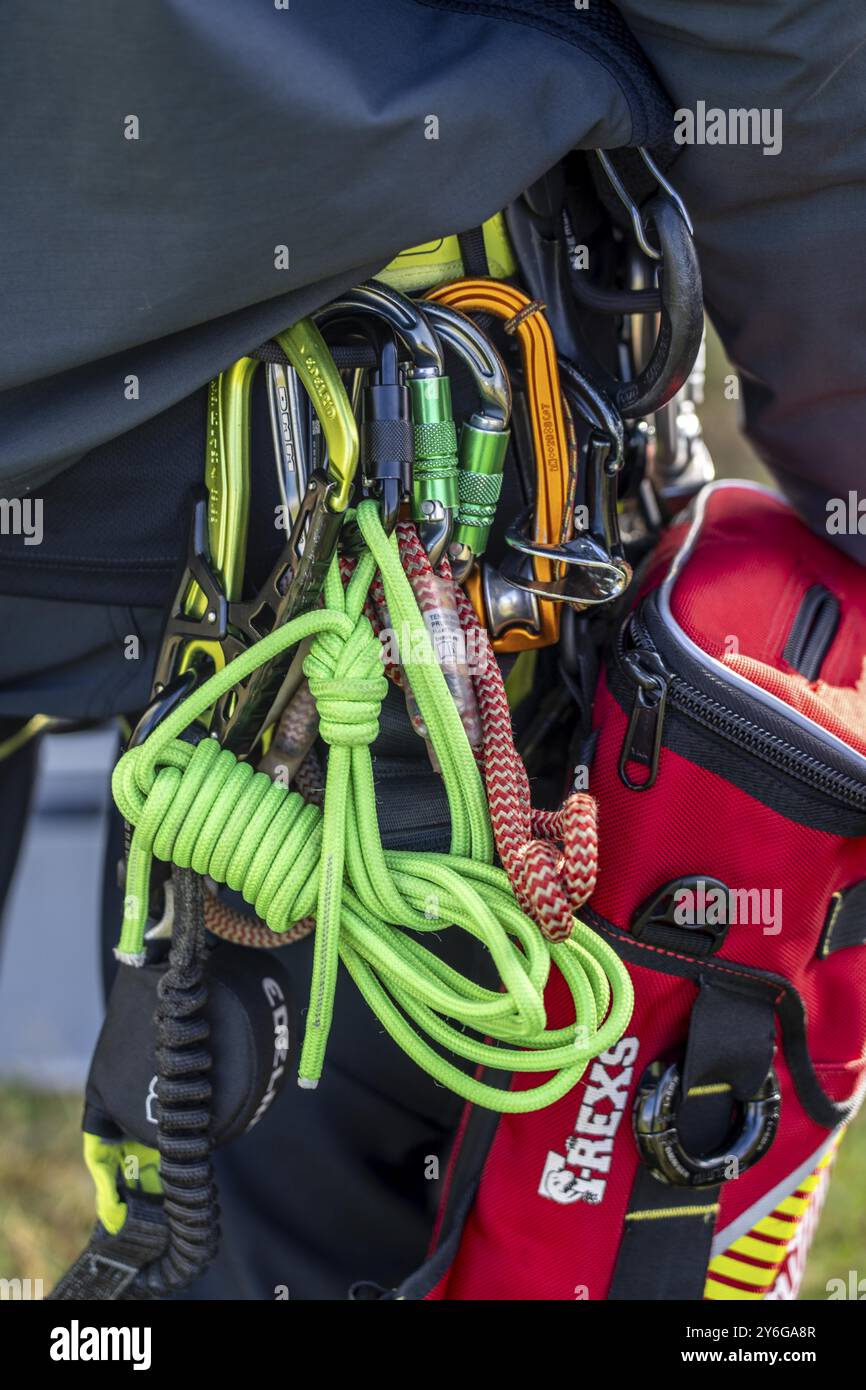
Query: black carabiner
[(541, 241), (387, 436), (681, 317), (654, 1120)]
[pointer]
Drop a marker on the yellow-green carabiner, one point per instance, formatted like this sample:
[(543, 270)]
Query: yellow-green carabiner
[(311, 358)]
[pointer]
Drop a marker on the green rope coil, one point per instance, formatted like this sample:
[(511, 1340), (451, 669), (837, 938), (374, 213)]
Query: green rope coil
[(198, 807)]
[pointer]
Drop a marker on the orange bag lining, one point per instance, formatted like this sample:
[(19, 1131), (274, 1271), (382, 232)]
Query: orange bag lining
[(840, 709)]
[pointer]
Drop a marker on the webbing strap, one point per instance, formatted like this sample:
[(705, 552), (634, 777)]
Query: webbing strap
[(669, 1228), (666, 1243), (107, 1267), (473, 252)]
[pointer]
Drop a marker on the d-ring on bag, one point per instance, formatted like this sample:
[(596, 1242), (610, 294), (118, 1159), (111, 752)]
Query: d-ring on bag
[(730, 773)]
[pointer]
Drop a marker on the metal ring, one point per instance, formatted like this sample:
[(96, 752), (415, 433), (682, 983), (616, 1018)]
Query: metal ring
[(654, 1120)]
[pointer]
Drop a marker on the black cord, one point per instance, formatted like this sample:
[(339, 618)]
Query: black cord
[(184, 1063)]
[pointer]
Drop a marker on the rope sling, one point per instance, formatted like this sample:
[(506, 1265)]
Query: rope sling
[(198, 807)]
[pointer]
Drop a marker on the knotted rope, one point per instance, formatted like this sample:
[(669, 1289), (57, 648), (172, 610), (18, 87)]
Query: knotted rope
[(198, 807)]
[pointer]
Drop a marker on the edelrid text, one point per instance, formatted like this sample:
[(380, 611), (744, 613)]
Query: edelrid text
[(320, 386), (280, 1016)]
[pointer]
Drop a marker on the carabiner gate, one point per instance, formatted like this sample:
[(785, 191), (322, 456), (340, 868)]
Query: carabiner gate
[(209, 621)]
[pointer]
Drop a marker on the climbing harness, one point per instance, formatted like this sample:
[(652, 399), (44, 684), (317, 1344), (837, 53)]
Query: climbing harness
[(197, 803), (389, 511), (436, 262), (198, 807)]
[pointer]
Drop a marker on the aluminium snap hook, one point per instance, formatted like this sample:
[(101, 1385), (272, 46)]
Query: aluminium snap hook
[(525, 626), (638, 222)]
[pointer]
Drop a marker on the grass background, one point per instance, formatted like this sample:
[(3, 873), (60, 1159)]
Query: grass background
[(46, 1201)]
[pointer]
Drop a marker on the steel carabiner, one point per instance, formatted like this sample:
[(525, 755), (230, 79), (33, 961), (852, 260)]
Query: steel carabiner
[(197, 629), (434, 463), (296, 579), (290, 433), (638, 222), (543, 240), (592, 565)]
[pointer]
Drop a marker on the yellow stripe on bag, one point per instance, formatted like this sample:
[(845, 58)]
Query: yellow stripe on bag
[(772, 1252), (712, 1289), (732, 1268), (759, 1250)]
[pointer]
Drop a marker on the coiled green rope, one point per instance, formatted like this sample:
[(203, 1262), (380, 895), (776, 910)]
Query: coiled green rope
[(200, 808)]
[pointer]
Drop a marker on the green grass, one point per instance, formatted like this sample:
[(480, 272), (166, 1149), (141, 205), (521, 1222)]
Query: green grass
[(46, 1197), (46, 1200), (840, 1244)]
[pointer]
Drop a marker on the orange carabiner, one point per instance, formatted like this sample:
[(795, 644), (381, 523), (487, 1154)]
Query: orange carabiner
[(553, 522)]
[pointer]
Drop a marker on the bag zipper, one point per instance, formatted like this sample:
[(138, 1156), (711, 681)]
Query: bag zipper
[(657, 688)]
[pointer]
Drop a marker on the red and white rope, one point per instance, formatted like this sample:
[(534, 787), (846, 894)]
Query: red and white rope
[(551, 857)]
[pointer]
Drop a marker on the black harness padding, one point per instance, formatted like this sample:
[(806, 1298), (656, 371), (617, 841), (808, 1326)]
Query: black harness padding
[(105, 1271)]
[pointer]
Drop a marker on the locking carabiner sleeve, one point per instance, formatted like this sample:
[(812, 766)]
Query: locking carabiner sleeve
[(434, 462), (483, 437)]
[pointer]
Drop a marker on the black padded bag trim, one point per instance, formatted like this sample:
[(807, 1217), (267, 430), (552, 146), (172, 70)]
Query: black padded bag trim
[(846, 920)]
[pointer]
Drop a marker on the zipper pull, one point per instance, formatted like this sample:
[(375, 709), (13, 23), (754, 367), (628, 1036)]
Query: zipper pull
[(643, 738)]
